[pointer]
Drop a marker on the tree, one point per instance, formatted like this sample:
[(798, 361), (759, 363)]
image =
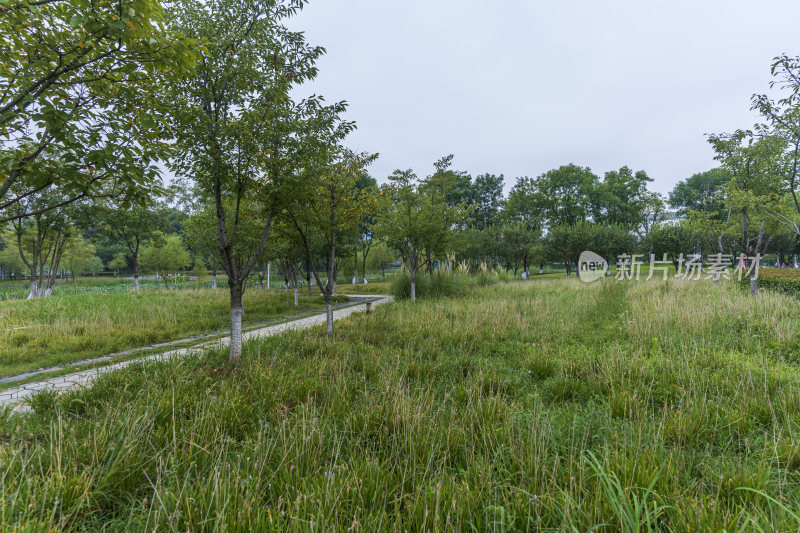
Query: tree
[(331, 206), (381, 258), (784, 245), (41, 238), (79, 255), (10, 260), (201, 237), (118, 263), (702, 192), (652, 216), (165, 255), (237, 126), (485, 201), (79, 82), (524, 217), (673, 240), (754, 193), (414, 215), (517, 242), (783, 117), (565, 195), (439, 186), (133, 226), (621, 198), (366, 227), (566, 242)]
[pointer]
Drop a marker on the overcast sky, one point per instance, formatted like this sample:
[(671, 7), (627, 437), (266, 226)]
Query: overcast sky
[(518, 87)]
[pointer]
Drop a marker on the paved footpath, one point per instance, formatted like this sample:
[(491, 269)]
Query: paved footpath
[(15, 397)]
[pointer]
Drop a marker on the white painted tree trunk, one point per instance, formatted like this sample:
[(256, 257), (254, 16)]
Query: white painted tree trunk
[(136, 282), (296, 297), (753, 283), (237, 311), (329, 317), (413, 285), (214, 281), (34, 290)]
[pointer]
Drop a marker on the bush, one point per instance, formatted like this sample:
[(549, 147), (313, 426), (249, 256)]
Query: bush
[(446, 284), (783, 280)]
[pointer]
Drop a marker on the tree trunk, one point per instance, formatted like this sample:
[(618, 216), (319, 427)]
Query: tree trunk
[(34, 292), (296, 297), (364, 264), (413, 284), (355, 276), (308, 276), (237, 312), (329, 315), (754, 283), (136, 273)]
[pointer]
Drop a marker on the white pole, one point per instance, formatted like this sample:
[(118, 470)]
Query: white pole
[(268, 265)]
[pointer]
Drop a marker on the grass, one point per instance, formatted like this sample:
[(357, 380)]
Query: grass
[(73, 327), (443, 284), (370, 288), (545, 405)]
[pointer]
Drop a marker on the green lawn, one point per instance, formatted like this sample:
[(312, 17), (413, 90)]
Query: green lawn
[(79, 325), (545, 405)]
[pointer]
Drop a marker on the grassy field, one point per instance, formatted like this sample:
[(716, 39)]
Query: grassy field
[(76, 326), (547, 405)]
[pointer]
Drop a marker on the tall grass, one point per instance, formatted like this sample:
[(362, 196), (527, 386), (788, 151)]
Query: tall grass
[(73, 327), (551, 405), (442, 284)]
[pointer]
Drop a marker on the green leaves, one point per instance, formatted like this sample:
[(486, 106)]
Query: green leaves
[(91, 72)]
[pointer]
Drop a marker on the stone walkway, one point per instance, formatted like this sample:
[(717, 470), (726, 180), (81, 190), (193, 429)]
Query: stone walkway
[(15, 397)]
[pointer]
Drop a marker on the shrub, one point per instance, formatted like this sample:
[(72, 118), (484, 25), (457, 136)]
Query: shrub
[(783, 280)]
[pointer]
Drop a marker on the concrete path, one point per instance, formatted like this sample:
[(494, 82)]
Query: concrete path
[(15, 397)]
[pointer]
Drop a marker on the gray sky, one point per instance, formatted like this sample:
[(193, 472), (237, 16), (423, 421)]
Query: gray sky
[(518, 87)]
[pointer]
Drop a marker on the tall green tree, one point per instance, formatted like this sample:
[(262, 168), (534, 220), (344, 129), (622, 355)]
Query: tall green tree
[(653, 215), (621, 198), (565, 194), (238, 127), (438, 187), (566, 242), (366, 236), (754, 194), (331, 206), (524, 218), (783, 118), (415, 217), (165, 255), (133, 227), (673, 240), (703, 193), (41, 238)]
